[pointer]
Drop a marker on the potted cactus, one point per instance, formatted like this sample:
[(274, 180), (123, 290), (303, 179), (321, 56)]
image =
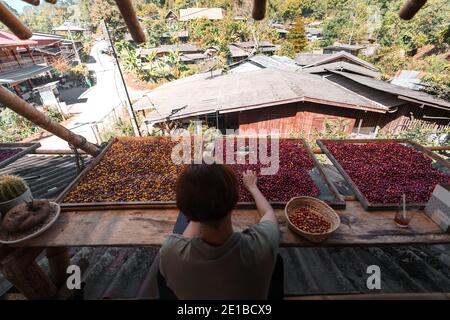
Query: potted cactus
[(13, 191)]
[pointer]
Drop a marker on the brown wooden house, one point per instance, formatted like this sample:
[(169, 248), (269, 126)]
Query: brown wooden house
[(286, 97)]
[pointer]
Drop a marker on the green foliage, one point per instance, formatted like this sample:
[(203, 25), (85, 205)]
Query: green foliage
[(14, 128), (333, 130), (437, 76), (11, 187), (208, 33), (287, 49), (416, 132), (154, 31), (390, 59), (45, 17), (348, 22), (54, 114), (425, 28), (297, 35)]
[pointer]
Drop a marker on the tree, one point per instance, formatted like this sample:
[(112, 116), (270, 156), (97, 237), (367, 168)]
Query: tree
[(287, 49), (297, 35)]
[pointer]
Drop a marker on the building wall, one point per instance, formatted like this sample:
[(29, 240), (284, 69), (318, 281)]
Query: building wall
[(308, 117), (303, 118)]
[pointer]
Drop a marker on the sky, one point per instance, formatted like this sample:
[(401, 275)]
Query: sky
[(17, 4)]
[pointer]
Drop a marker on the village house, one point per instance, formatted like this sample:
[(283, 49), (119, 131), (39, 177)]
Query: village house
[(26, 64), (190, 53), (353, 49), (20, 64), (197, 13), (241, 50), (276, 93)]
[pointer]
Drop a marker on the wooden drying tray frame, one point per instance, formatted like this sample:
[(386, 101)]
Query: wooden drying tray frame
[(339, 202), (27, 148), (105, 205), (369, 206)]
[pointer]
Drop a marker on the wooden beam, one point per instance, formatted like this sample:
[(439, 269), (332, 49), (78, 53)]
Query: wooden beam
[(58, 260), (27, 111), (32, 2), (21, 269), (13, 23), (259, 9), (151, 227), (410, 8), (129, 16)]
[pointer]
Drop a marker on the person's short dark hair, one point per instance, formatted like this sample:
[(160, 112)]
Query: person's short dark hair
[(207, 192)]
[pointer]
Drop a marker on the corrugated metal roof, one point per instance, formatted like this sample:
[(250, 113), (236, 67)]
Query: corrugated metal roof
[(304, 59), (47, 175), (344, 47), (23, 73), (408, 79), (393, 89), (341, 66), (254, 89), (339, 56)]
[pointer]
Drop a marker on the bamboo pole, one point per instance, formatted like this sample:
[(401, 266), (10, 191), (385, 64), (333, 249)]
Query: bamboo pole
[(33, 2), (410, 8), (259, 9), (129, 16), (13, 23), (23, 108)]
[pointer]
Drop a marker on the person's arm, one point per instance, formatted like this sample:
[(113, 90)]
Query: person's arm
[(192, 230), (264, 207)]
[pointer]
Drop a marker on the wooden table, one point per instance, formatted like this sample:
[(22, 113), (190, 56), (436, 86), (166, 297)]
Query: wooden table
[(150, 227)]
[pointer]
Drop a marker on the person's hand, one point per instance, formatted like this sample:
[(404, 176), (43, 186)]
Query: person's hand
[(250, 179)]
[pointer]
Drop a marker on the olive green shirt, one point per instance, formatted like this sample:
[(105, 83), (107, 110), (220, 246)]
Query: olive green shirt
[(241, 268)]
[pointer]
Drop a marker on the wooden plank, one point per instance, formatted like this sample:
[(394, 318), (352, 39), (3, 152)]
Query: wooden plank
[(27, 148), (359, 195), (21, 269), (151, 227)]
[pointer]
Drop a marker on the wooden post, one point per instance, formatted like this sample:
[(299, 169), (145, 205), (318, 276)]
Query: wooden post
[(129, 16), (58, 260), (259, 9), (33, 2), (21, 269), (26, 110), (13, 23), (410, 8)]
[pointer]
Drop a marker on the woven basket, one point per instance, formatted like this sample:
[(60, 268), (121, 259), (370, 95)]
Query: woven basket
[(318, 207)]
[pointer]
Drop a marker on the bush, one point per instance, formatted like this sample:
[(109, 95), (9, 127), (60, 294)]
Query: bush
[(14, 128)]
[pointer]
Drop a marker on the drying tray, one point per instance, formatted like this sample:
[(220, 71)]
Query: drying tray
[(328, 191), (370, 206), (26, 149)]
